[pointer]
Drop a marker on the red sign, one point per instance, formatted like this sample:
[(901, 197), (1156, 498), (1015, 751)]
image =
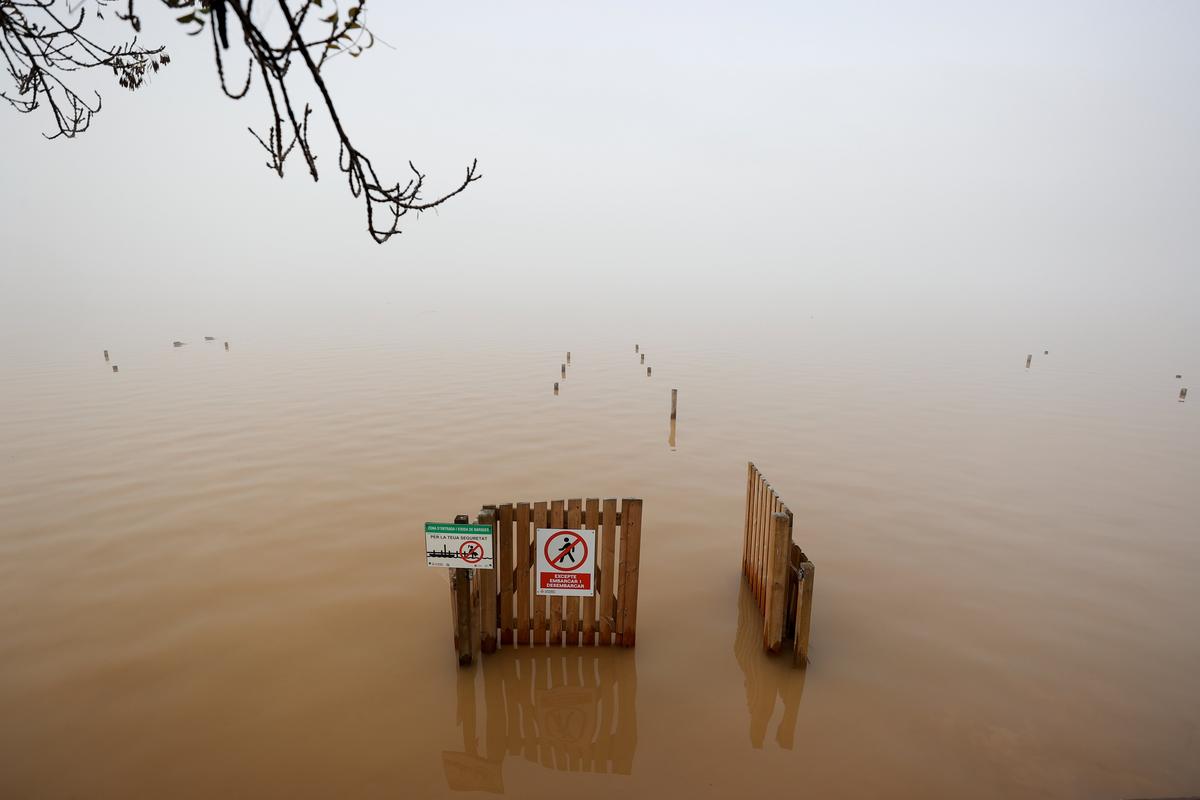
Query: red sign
[(565, 566)]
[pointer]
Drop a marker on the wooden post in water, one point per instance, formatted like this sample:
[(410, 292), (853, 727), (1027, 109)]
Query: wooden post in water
[(635, 348), (106, 355), (564, 370), (556, 387), (631, 548), (568, 356), (460, 604), (804, 594), (674, 402), (116, 370), (1028, 360), (1182, 392), (777, 581), (648, 371), (227, 345), (643, 358)]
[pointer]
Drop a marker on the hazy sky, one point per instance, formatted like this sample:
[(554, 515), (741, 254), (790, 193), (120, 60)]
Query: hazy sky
[(1016, 161)]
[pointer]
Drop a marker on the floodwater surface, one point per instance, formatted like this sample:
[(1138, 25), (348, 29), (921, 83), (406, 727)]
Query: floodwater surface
[(212, 580)]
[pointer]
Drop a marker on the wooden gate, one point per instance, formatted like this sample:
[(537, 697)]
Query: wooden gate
[(779, 573), (500, 607)]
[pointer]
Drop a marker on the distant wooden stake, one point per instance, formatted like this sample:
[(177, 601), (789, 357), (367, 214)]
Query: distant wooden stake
[(568, 356), (1182, 392), (115, 369), (227, 345), (564, 370), (635, 348), (556, 387), (648, 371), (106, 355), (643, 358), (1045, 352), (674, 402), (1028, 360)]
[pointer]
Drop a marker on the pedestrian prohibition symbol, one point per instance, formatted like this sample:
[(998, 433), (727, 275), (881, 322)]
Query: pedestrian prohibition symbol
[(566, 562)]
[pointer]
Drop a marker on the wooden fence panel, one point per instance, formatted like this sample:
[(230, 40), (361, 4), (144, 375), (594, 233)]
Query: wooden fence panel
[(779, 575), (502, 607)]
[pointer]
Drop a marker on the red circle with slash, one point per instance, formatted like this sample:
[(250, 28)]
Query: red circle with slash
[(471, 552), (554, 562)]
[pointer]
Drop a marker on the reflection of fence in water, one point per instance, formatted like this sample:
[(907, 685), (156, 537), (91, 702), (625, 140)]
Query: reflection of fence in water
[(766, 678), (567, 710)]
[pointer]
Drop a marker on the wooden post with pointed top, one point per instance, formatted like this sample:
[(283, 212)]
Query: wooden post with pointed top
[(674, 402)]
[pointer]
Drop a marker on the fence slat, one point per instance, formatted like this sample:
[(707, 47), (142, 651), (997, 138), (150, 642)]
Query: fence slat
[(592, 522), (746, 529), (540, 520), (521, 538), (556, 603), (631, 531), (765, 507), (608, 573), (781, 536), (504, 567), (804, 612), (485, 581), (571, 618)]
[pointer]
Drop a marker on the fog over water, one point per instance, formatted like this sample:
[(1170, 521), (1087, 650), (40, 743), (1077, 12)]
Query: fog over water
[(839, 232)]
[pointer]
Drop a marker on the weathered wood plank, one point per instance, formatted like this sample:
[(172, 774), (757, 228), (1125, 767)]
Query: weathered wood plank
[(631, 532), (556, 603), (571, 617), (592, 522), (521, 538), (540, 520), (504, 571), (608, 572), (485, 581), (777, 584), (804, 612)]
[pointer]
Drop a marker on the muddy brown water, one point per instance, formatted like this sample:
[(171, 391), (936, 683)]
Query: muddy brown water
[(212, 582)]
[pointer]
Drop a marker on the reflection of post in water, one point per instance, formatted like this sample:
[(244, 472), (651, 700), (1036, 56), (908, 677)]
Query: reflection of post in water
[(570, 711), (766, 678)]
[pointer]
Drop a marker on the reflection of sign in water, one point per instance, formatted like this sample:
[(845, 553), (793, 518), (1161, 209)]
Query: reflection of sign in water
[(464, 546), (566, 562), (566, 715), (470, 773), (571, 712)]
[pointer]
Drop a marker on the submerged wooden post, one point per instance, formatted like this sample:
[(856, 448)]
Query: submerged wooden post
[(648, 371), (1028, 360), (568, 356), (564, 370), (106, 355), (643, 358), (635, 348), (116, 370), (227, 345), (674, 402), (777, 581), (556, 387), (1182, 392), (804, 594)]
